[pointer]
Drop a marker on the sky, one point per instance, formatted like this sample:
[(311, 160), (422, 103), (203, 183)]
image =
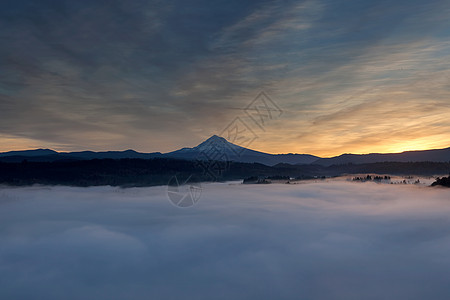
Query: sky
[(326, 240), (345, 76)]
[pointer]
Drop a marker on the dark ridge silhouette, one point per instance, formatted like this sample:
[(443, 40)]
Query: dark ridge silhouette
[(218, 148), (439, 155), (158, 171), (444, 181), (29, 153)]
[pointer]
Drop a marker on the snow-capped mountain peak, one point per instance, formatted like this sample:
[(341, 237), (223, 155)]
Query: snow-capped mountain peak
[(219, 144)]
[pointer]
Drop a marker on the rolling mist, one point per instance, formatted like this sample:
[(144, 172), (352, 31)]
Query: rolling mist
[(315, 240)]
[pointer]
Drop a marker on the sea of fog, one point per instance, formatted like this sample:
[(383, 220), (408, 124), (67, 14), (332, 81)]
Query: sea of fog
[(315, 240)]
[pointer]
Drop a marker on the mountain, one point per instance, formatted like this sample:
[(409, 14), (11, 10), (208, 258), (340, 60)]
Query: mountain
[(110, 154), (214, 148), (439, 155), (30, 153), (50, 155), (218, 148)]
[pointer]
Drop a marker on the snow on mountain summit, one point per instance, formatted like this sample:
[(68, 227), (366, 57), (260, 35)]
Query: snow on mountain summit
[(217, 143)]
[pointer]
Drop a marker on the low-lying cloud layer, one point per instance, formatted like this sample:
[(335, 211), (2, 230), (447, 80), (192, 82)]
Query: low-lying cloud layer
[(326, 240)]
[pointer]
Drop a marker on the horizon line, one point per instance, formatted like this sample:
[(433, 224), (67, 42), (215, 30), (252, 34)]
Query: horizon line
[(290, 153)]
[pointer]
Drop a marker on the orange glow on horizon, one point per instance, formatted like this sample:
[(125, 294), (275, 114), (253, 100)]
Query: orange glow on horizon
[(17, 144)]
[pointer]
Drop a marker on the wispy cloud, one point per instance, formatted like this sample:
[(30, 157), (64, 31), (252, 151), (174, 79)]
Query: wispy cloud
[(157, 75)]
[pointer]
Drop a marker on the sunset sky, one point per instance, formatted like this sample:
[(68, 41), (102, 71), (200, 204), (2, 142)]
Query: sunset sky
[(348, 76)]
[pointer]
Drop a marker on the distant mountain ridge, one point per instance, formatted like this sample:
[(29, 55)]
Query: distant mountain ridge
[(218, 148), (36, 152), (47, 155), (438, 155)]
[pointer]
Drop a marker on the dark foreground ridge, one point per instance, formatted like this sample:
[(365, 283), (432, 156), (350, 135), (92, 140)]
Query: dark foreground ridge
[(444, 181), (158, 171)]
